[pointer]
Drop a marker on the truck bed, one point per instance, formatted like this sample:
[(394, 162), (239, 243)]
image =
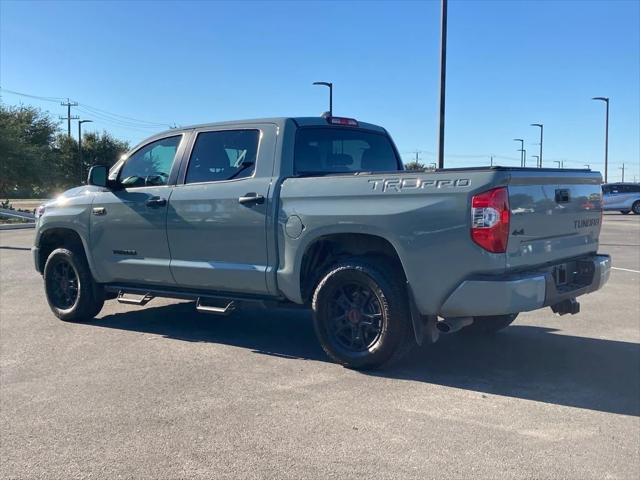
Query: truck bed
[(426, 217)]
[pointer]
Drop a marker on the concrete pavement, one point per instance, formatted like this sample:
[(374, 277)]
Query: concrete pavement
[(165, 392)]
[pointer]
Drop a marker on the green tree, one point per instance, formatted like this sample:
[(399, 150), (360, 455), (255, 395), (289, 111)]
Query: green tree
[(65, 164), (100, 149), (36, 159), (26, 137), (414, 166)]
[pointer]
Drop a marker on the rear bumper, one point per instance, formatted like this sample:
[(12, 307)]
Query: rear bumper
[(526, 291)]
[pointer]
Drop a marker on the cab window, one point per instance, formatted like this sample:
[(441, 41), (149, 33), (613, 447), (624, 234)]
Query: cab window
[(151, 165), (223, 155), (320, 150)]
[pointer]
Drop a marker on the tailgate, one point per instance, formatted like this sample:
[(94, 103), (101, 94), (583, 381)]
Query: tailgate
[(555, 215)]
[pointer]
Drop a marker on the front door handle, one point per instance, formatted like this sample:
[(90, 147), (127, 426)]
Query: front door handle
[(251, 199), (156, 202)]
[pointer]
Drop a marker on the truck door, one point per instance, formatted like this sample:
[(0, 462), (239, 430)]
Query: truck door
[(128, 222), (217, 217)]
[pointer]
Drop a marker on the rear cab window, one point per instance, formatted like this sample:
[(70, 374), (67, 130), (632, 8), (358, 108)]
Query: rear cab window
[(223, 155), (324, 150)]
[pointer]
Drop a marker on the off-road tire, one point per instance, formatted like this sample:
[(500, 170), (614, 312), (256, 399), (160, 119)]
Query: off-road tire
[(89, 299), (387, 290)]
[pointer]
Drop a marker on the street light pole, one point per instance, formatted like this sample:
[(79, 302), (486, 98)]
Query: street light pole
[(330, 85), (521, 150), (80, 122), (606, 136), (443, 78), (524, 161), (537, 157), (539, 164), (622, 168), (588, 166)]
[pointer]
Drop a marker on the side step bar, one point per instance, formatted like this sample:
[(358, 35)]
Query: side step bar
[(220, 303), (141, 300), (224, 310)]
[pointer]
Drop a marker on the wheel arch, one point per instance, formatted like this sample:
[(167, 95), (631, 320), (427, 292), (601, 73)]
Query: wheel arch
[(59, 237), (328, 249)]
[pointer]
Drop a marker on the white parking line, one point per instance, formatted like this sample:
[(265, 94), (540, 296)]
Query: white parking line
[(625, 269)]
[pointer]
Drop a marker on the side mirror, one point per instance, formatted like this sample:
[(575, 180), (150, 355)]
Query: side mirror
[(97, 176)]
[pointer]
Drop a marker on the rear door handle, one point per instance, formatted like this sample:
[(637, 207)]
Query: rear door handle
[(156, 202), (251, 199)]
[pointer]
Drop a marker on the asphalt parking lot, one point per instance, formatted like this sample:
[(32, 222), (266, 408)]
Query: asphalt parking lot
[(165, 392)]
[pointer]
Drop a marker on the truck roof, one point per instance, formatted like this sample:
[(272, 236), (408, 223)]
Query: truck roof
[(280, 121)]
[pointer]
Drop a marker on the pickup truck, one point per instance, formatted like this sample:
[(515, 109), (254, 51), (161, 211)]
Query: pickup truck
[(320, 213)]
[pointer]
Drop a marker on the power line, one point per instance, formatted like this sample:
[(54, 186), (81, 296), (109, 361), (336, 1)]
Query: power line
[(117, 122), (124, 117), (46, 99), (122, 120)]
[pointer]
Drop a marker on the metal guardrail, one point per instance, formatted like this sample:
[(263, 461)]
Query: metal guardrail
[(29, 217), (17, 214)]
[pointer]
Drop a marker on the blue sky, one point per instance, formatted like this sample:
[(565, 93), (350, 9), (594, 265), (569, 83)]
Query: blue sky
[(510, 63)]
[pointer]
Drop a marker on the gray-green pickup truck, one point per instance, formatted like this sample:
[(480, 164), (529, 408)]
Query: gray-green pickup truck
[(319, 213)]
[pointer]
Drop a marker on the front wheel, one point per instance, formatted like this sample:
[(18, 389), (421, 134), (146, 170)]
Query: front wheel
[(70, 288), (636, 207), (490, 324), (361, 315)]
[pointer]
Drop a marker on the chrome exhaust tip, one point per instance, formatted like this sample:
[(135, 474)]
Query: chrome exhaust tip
[(453, 324)]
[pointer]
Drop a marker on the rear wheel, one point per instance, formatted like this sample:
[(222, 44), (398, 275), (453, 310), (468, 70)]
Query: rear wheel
[(636, 207), (71, 291), (490, 324), (361, 315)]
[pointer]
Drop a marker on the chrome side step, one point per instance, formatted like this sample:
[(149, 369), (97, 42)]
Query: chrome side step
[(141, 300), (223, 310)]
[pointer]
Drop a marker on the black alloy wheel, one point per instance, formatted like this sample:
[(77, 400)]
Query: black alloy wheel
[(63, 285), (356, 318)]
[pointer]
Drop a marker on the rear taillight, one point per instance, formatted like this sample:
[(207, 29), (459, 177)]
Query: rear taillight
[(490, 219)]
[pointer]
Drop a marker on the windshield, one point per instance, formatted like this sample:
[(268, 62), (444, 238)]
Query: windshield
[(321, 150)]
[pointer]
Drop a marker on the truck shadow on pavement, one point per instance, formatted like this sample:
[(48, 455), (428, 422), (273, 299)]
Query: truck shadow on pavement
[(528, 362)]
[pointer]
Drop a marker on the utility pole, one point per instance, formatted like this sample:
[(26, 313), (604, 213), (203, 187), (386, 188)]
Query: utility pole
[(521, 150), (606, 136), (491, 164), (537, 157), (80, 122), (68, 118), (524, 159), (622, 168), (443, 78)]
